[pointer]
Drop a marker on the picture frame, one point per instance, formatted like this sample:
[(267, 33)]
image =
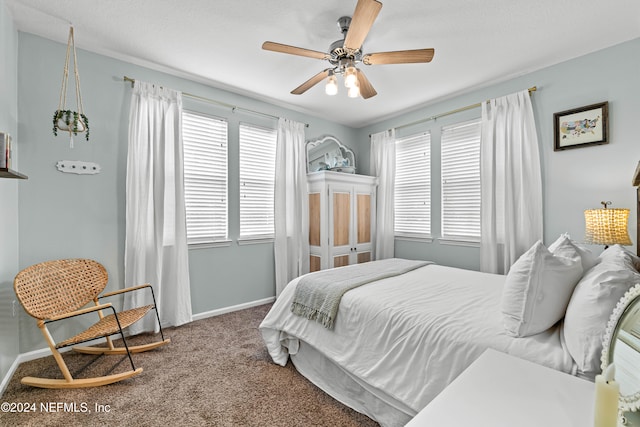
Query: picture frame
[(581, 127)]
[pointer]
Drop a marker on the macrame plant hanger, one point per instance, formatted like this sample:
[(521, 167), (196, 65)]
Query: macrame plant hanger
[(64, 119)]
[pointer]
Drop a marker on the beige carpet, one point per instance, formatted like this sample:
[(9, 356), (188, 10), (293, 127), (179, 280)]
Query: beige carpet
[(215, 372)]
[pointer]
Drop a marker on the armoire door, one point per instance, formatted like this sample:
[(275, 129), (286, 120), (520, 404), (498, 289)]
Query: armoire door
[(341, 214), (363, 231), (315, 232)]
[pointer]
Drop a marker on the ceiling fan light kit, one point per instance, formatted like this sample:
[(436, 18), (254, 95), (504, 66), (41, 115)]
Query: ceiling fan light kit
[(346, 53)]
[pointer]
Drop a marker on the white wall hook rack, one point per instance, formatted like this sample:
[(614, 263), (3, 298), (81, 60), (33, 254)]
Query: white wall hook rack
[(78, 167)]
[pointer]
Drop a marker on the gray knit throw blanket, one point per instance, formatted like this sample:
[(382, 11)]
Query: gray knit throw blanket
[(318, 294)]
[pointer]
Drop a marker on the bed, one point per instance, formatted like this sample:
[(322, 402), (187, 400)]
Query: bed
[(399, 341)]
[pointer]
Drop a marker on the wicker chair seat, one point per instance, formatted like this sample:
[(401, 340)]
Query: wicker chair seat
[(108, 326)]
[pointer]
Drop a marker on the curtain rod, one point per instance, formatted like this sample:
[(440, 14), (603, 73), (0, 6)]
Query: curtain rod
[(448, 113), (213, 101)]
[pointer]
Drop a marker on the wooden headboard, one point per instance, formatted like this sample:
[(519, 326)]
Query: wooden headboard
[(636, 183)]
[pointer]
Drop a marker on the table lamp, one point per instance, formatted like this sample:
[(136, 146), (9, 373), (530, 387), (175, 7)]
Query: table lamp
[(606, 226)]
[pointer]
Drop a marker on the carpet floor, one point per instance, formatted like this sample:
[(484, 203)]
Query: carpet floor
[(215, 372)]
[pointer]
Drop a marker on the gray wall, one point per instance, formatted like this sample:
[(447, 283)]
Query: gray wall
[(68, 215), (8, 192), (573, 180)]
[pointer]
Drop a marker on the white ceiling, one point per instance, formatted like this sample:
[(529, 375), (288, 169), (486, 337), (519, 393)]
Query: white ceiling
[(218, 42)]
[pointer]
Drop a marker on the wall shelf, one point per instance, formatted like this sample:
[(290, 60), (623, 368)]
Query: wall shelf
[(10, 173)]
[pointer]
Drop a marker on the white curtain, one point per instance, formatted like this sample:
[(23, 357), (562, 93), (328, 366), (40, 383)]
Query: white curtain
[(291, 246), (156, 236), (511, 182), (383, 165)]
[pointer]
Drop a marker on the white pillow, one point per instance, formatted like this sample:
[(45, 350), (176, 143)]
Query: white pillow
[(590, 307), (619, 252), (537, 290), (564, 246)]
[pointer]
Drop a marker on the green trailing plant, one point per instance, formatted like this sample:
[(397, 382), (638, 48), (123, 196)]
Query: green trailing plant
[(71, 120)]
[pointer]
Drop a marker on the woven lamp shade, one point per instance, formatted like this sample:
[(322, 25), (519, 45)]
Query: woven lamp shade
[(606, 227)]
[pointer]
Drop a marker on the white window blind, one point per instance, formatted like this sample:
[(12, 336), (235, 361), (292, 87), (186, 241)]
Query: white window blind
[(257, 168), (461, 181), (205, 177), (413, 186)]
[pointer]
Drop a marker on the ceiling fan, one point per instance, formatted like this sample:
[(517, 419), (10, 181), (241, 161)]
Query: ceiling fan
[(346, 53)]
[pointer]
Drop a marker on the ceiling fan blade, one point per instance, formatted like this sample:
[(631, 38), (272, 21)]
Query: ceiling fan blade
[(361, 22), (366, 90), (311, 82), (399, 57), (292, 50)]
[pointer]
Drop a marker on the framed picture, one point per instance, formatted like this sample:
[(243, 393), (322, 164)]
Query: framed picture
[(581, 127)]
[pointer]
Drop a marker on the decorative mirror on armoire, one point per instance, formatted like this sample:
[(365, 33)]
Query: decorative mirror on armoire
[(328, 153)]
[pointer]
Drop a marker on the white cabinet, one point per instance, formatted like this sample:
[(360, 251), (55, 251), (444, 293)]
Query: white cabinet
[(341, 219)]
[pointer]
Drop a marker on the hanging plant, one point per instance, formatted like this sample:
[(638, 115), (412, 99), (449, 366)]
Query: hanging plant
[(64, 119), (70, 121)]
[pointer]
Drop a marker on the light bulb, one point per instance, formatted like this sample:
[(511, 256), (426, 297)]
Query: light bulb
[(354, 91), (350, 76), (331, 88)]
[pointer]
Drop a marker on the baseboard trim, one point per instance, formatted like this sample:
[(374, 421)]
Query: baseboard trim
[(232, 308), (25, 357), (44, 352), (9, 375), (33, 355)]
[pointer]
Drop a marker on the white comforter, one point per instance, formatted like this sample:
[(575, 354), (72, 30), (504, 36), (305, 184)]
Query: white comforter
[(409, 336)]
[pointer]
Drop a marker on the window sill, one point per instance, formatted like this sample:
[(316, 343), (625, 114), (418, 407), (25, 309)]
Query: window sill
[(254, 240), (468, 242), (423, 239), (216, 244)]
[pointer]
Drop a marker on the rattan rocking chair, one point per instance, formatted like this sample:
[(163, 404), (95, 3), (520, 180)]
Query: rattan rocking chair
[(55, 290)]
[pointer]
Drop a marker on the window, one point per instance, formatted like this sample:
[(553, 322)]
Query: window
[(205, 177), (461, 181), (257, 172), (412, 202)]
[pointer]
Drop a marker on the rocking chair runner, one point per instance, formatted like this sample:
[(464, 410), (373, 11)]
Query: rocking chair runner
[(56, 290)]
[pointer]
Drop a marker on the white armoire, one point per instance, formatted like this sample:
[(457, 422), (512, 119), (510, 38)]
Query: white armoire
[(341, 219)]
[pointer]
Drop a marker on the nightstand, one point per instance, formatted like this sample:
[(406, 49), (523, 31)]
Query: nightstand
[(498, 390)]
